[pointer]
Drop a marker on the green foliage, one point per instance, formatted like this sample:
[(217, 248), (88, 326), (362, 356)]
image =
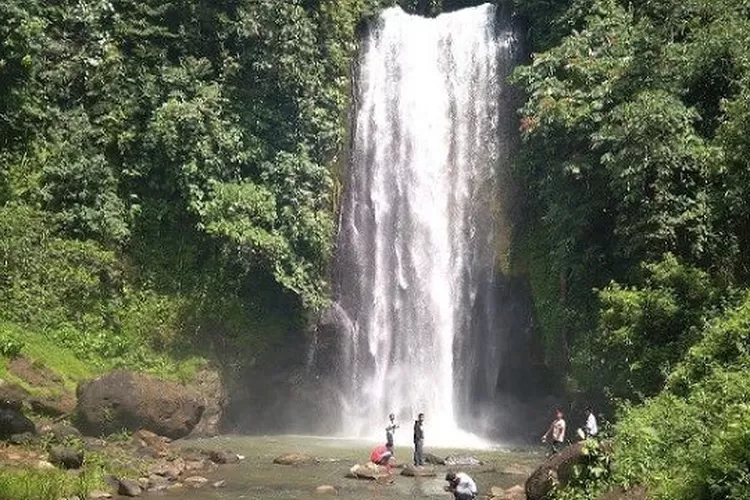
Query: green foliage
[(10, 347), (694, 446), (632, 149), (691, 440), (645, 330), (591, 477), (41, 349), (120, 113), (45, 279), (167, 179), (634, 165), (32, 484), (660, 174)]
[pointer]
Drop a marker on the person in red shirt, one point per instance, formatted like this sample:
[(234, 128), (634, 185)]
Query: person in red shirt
[(382, 454)]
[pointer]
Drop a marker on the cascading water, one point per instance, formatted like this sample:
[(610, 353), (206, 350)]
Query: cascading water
[(416, 241)]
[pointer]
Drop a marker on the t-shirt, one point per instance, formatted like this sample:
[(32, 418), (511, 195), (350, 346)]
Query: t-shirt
[(591, 428), (558, 430), (390, 428), (418, 431), (379, 453), (465, 484)]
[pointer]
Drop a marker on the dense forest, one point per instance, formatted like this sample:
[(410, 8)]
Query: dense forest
[(634, 169), (169, 181), (168, 169)]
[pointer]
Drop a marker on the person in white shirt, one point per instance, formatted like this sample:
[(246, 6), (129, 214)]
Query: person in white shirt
[(591, 429), (390, 429), (557, 432), (461, 485)]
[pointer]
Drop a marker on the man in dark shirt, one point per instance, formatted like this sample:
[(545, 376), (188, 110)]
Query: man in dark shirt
[(419, 440)]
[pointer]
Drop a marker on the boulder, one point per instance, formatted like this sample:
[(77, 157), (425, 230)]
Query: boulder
[(463, 460), (168, 469), (195, 481), (12, 421), (429, 458), (369, 471), (556, 469), (213, 394), (66, 457), (219, 484), (418, 471), (24, 439), (325, 489), (62, 432), (517, 492), (157, 483), (150, 444), (496, 491), (94, 444), (201, 464), (127, 400), (295, 459), (53, 406), (222, 457), (128, 488), (12, 396)]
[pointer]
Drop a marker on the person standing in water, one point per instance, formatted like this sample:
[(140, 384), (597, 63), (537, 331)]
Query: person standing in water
[(390, 429), (557, 432), (419, 440)]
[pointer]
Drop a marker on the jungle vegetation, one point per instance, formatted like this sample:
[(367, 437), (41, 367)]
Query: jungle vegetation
[(169, 177)]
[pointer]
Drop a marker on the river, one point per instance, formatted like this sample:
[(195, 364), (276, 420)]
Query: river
[(256, 477)]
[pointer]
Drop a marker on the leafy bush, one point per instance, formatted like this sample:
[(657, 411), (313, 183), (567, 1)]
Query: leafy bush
[(9, 346), (693, 440), (645, 330), (46, 280), (592, 477)]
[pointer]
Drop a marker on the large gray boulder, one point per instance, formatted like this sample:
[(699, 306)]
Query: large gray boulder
[(13, 422), (131, 401), (66, 457)]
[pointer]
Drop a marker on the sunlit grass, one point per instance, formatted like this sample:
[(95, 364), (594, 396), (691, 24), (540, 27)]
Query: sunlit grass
[(48, 484)]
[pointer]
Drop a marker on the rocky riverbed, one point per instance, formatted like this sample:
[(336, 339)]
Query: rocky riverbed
[(148, 449), (258, 477)]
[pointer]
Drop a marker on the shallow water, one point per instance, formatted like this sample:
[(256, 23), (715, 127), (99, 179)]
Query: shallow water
[(257, 477)]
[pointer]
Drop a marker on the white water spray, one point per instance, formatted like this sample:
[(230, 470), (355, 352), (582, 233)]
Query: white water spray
[(416, 237)]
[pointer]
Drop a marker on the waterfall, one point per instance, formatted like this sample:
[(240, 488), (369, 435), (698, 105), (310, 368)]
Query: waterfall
[(417, 240)]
